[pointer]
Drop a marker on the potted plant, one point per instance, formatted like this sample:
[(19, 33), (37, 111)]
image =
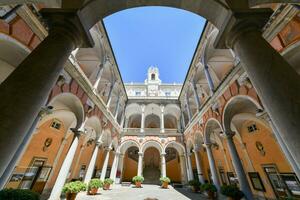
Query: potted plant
[(210, 189), (72, 188), (93, 186), (165, 182), (106, 183), (232, 192), (18, 194), (138, 181), (195, 185)]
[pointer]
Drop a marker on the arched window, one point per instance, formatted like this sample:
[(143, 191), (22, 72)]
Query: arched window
[(152, 77)]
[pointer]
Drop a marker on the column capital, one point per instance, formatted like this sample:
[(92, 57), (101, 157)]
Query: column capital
[(240, 22), (141, 153), (77, 132), (70, 22), (163, 154), (229, 134)]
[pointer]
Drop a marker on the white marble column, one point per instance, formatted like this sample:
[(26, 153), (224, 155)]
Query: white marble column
[(105, 164), (163, 165), (117, 107), (120, 167), (199, 168), (140, 164), (188, 108), (114, 167), (91, 167), (109, 98), (197, 100), (183, 168), (212, 166), (98, 77), (190, 168), (162, 120), (143, 118), (64, 170)]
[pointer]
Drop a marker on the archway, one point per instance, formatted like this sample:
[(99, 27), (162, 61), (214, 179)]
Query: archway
[(151, 171), (130, 164)]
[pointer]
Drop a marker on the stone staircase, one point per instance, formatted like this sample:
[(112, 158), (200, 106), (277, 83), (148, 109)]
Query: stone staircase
[(151, 175)]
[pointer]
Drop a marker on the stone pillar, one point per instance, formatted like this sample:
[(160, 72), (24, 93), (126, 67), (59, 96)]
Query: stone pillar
[(182, 119), (188, 108), (197, 100), (91, 167), (199, 168), (143, 118), (105, 164), (190, 168), (162, 119), (109, 98), (114, 167), (275, 80), (98, 77), (237, 164), (212, 166), (163, 165), (123, 119), (27, 88), (184, 177), (78, 156), (65, 168), (117, 107), (140, 164), (120, 167), (209, 79)]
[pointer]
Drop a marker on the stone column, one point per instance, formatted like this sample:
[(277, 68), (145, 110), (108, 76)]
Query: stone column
[(197, 100), (120, 167), (199, 168), (143, 118), (209, 79), (162, 119), (184, 177), (140, 164), (212, 166), (163, 165), (91, 167), (237, 164), (78, 156), (114, 167), (190, 168), (117, 107), (27, 88), (182, 119), (188, 108), (98, 77), (65, 168), (123, 118), (109, 98), (275, 80), (105, 164)]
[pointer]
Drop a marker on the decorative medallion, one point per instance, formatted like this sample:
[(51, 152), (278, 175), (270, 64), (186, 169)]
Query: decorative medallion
[(47, 144), (260, 148)]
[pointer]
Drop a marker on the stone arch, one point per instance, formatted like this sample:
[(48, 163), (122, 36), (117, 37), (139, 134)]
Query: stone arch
[(127, 144), (93, 127), (152, 143), (211, 125), (179, 147), (292, 55), (238, 104), (12, 53)]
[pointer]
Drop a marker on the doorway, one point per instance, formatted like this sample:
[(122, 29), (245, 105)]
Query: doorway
[(151, 171)]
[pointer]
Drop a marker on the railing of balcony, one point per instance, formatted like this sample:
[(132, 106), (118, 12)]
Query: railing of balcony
[(150, 131)]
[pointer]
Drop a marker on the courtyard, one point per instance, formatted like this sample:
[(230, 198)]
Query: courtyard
[(119, 192)]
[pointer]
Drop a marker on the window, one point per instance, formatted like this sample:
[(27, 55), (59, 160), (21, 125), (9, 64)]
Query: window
[(56, 124), (152, 77), (138, 93), (168, 94), (252, 128)]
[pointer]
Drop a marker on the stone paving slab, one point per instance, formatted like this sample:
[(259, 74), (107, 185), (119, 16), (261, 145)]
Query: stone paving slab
[(119, 192)]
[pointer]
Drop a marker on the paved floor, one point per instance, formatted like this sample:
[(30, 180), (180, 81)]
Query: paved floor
[(153, 192)]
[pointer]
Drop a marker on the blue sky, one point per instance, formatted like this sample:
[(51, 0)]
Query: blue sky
[(159, 36)]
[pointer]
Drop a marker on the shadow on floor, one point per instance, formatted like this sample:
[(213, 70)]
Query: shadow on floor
[(190, 194)]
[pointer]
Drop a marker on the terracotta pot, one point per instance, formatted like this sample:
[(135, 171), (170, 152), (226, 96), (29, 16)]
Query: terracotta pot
[(93, 191), (165, 185), (194, 188), (106, 186), (230, 198), (210, 194), (138, 184), (71, 196)]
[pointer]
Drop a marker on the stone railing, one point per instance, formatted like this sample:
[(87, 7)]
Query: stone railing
[(149, 132)]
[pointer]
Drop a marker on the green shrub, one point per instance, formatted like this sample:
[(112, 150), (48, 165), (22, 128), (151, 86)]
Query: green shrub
[(208, 187), (195, 183), (165, 179), (138, 179), (232, 191), (108, 181), (18, 194), (95, 183), (74, 187)]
